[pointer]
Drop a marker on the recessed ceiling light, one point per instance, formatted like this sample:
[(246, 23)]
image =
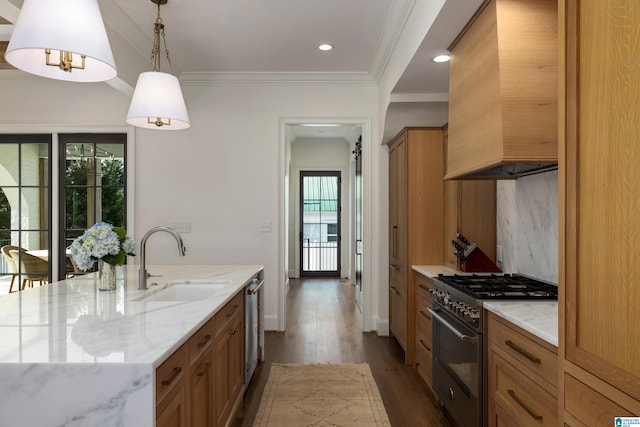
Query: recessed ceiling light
[(441, 58), (325, 47)]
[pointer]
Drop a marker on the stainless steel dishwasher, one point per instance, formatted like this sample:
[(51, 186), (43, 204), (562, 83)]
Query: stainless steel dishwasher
[(251, 327)]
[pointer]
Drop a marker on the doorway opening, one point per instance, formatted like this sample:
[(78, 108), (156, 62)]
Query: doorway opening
[(320, 233)]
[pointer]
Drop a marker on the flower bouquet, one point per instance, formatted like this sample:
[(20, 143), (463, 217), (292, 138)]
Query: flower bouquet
[(103, 243)]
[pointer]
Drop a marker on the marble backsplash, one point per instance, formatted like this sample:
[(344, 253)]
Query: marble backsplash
[(527, 225)]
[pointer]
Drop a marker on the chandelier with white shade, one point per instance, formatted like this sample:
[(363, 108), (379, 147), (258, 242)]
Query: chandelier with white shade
[(157, 102), (63, 40)]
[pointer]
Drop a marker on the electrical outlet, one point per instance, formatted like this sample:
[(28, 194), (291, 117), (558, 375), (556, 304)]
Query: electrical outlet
[(265, 227), (181, 226), (499, 253)]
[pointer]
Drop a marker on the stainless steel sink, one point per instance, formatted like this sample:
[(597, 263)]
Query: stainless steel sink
[(186, 290)]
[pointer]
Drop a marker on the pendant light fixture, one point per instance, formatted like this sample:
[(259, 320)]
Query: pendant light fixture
[(63, 40), (157, 101)]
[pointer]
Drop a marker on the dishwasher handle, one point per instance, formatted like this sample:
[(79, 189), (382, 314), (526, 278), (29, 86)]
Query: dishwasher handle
[(254, 286)]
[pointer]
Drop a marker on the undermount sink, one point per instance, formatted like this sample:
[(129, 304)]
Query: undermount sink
[(186, 290)]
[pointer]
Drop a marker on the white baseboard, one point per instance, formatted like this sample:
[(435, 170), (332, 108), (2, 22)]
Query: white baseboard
[(271, 322), (382, 327)]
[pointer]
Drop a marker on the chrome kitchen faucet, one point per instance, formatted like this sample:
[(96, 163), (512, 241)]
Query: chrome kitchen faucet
[(144, 275)]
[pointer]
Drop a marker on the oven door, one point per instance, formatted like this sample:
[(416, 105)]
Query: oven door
[(457, 367)]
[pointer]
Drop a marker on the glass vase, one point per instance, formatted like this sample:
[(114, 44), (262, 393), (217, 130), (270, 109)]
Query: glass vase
[(106, 276)]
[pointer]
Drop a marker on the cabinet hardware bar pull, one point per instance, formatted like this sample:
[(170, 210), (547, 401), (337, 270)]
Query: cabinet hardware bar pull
[(425, 346), (204, 369), (421, 286), (204, 341), (522, 352), (425, 314), (235, 308), (523, 406), (394, 290), (394, 232), (176, 371)]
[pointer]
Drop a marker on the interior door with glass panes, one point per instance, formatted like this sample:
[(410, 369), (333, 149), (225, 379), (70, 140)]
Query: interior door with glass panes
[(320, 223)]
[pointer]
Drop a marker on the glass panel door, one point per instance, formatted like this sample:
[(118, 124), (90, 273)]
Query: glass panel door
[(25, 220), (93, 175), (320, 223)]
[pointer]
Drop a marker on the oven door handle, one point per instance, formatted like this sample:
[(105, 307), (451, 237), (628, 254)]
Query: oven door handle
[(463, 337)]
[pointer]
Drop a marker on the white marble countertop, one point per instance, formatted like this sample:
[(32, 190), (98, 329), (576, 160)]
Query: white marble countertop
[(537, 317), (434, 270), (86, 357)]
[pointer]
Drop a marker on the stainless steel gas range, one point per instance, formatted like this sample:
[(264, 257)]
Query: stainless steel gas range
[(458, 329)]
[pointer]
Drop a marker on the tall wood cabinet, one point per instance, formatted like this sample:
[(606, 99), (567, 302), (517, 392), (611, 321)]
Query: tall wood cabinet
[(416, 222), (599, 224)]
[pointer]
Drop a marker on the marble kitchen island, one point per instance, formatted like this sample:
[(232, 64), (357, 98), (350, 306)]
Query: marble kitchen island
[(71, 355)]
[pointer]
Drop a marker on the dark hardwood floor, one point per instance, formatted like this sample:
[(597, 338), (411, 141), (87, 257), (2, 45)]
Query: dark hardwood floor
[(323, 326)]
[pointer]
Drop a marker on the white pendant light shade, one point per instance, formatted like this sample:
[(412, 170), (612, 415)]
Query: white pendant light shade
[(74, 27), (158, 103)]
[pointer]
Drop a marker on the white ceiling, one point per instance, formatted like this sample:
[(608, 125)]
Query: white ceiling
[(279, 39)]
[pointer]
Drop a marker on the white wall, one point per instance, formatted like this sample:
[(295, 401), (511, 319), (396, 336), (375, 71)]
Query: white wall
[(226, 173)]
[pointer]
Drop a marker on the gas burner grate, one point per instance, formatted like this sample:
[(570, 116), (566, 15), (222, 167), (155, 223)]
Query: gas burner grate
[(501, 286)]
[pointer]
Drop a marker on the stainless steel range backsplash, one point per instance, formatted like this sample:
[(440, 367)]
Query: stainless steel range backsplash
[(527, 225)]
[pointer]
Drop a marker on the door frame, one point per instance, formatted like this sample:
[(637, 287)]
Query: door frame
[(368, 294)]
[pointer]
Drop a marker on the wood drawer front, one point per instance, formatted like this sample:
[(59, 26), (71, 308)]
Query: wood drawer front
[(423, 284), (513, 393), (538, 359), (423, 325), (424, 362), (588, 406), (201, 341), (171, 373), (225, 316)]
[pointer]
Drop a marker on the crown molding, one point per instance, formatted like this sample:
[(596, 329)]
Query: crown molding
[(243, 78), (419, 97)]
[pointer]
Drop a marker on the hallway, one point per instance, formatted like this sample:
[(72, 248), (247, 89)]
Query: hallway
[(323, 326)]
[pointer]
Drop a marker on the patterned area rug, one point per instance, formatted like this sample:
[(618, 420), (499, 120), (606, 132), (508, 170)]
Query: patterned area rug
[(321, 395)]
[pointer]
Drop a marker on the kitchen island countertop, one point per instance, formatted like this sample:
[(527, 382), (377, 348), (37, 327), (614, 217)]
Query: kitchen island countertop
[(71, 355)]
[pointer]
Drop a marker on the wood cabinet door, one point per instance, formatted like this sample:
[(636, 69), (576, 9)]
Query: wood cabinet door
[(600, 207), (175, 413), (202, 391), (397, 239), (229, 368)]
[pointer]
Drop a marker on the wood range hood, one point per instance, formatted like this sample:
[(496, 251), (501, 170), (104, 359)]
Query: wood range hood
[(503, 92)]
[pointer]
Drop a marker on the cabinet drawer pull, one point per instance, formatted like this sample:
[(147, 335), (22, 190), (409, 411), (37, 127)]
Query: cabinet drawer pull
[(204, 369), (394, 290), (235, 308), (423, 287), (176, 371), (232, 331), (425, 345), (425, 315), (522, 352), (204, 341), (523, 406)]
